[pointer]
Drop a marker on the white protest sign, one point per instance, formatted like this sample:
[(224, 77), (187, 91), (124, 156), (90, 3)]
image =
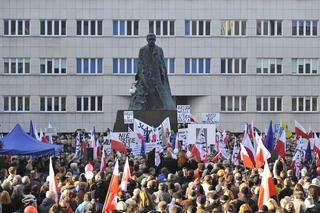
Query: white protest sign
[(183, 136), (183, 113), (128, 117), (210, 118), (209, 132)]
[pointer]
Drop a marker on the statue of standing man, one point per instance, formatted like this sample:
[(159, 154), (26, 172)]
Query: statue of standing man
[(152, 86)]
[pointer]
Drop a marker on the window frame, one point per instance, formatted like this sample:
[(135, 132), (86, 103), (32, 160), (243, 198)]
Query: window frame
[(8, 99), (226, 99), (297, 101), (260, 101), (8, 23), (228, 27), (52, 102), (83, 99), (82, 23)]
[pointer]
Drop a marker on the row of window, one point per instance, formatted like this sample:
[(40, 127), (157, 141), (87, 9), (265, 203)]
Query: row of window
[(269, 104), (161, 27), (300, 66), (52, 103), (94, 104)]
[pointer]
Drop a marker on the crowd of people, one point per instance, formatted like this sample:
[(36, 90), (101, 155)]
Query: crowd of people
[(182, 185)]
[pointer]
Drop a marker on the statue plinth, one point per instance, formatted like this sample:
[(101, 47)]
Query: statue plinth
[(153, 118)]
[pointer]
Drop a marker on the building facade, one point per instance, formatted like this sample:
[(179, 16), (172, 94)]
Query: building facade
[(73, 62)]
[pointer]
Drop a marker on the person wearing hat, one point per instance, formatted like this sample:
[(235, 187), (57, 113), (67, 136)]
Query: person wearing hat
[(201, 202)]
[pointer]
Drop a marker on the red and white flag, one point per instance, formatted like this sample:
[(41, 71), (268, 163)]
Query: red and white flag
[(262, 155), (111, 199), (281, 144), (126, 176), (116, 144), (246, 142), (53, 186), (300, 131), (267, 188), (103, 161), (247, 161)]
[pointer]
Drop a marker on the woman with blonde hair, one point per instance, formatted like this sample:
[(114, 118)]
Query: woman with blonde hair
[(6, 202), (145, 201)]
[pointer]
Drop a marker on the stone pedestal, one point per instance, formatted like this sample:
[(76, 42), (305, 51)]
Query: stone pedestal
[(152, 118)]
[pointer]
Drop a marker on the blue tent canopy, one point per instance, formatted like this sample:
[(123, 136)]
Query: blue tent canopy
[(17, 142)]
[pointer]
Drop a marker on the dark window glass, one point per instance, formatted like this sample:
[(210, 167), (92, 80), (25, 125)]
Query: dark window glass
[(223, 65), (279, 28), (294, 27), (243, 65), (13, 27), (85, 27), (13, 66), (158, 27), (56, 103), (165, 28), (20, 28), (92, 103), (272, 27), (63, 27), (93, 28), (42, 27), (85, 104), (171, 27), (78, 27), (56, 27), (201, 28), (258, 27), (26, 27), (99, 103), (6, 27), (99, 27), (49, 104), (79, 104), (129, 27), (49, 27), (63, 103), (49, 66), (136, 27), (194, 27), (207, 27)]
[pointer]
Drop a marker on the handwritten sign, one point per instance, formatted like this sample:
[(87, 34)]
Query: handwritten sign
[(128, 117), (210, 118), (183, 113)]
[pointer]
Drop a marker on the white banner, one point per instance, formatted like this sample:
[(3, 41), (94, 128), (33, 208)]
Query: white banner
[(183, 113), (128, 117), (210, 118)]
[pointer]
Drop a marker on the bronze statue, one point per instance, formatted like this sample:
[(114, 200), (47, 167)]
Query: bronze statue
[(152, 84)]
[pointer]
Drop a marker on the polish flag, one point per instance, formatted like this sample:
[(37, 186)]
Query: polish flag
[(111, 202), (246, 142), (281, 145), (262, 154), (300, 131), (267, 189), (117, 145), (103, 161), (247, 161), (126, 176), (53, 186), (195, 152)]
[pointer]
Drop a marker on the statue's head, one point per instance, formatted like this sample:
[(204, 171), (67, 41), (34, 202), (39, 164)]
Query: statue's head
[(151, 38)]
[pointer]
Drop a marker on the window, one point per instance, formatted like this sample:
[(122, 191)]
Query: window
[(305, 66), (125, 65), (269, 104), (89, 66), (269, 65), (233, 28), (304, 104), (16, 27), (16, 65), (53, 27), (197, 27), (89, 27), (53, 65), (161, 27), (233, 103), (197, 65), (170, 64), (304, 27), (89, 103), (269, 27), (16, 103), (233, 65), (53, 104), (125, 27)]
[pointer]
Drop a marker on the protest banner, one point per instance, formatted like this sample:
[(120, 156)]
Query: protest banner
[(210, 118), (128, 117)]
